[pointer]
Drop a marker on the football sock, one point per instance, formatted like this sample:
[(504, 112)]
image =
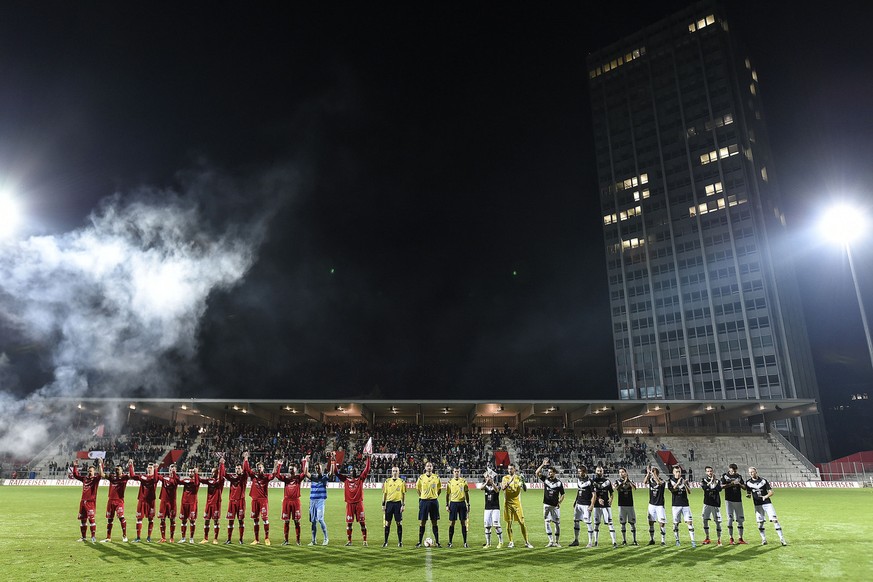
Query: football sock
[(663, 532), (451, 532), (172, 528), (596, 533), (83, 527), (436, 531), (612, 532), (420, 533), (399, 533), (691, 532), (576, 530), (206, 530), (634, 531), (549, 531), (184, 528), (718, 529), (266, 528), (387, 531), (151, 527), (297, 528), (242, 529), (314, 526), (323, 525), (651, 531), (499, 534), (706, 528), (590, 533), (676, 531), (523, 531), (778, 530), (93, 525), (464, 531), (761, 529), (623, 534), (109, 529), (123, 526), (349, 531), (287, 530), (488, 535), (257, 529), (217, 529), (138, 527), (163, 528), (229, 529)]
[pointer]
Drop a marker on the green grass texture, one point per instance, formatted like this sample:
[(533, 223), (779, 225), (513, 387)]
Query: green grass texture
[(829, 532)]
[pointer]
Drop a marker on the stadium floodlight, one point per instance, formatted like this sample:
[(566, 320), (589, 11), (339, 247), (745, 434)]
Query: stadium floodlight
[(10, 215), (844, 224)]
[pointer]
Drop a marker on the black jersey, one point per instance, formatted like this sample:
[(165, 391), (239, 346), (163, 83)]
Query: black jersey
[(625, 493), (585, 491), (492, 496), (679, 489), (603, 491), (758, 488), (733, 486), (656, 493), (711, 489), (553, 489)]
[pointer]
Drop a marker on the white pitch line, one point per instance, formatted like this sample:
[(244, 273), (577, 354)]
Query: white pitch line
[(428, 569)]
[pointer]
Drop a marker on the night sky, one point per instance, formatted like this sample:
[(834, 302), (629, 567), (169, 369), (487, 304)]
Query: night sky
[(438, 232)]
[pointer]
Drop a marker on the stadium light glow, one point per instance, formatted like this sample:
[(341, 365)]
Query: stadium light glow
[(10, 215), (844, 224)]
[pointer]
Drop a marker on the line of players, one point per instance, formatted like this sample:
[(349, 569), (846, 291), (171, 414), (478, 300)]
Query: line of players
[(593, 504), (595, 495), (236, 507)]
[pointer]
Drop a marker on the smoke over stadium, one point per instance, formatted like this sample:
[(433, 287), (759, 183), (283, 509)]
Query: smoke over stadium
[(116, 305)]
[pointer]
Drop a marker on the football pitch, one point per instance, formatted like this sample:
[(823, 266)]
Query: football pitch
[(829, 533)]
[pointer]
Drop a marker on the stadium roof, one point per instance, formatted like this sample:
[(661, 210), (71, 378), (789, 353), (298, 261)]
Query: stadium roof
[(512, 412)]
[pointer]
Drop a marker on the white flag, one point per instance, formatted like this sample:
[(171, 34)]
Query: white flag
[(368, 448), (97, 454)]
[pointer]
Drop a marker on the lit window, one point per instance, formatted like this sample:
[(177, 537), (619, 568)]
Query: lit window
[(712, 189), (710, 19), (641, 195), (636, 53), (764, 173), (633, 243), (702, 23), (592, 74), (748, 64), (609, 219), (644, 178), (754, 75), (620, 60), (728, 118), (752, 89)]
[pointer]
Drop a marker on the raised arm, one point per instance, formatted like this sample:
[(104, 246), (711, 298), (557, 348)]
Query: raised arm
[(100, 469), (75, 474), (539, 472), (366, 472)]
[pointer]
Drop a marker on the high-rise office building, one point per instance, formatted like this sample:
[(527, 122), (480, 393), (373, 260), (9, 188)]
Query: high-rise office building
[(704, 299)]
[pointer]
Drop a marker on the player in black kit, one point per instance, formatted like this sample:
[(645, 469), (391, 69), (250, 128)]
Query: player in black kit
[(492, 510), (626, 512), (553, 496), (656, 504), (602, 504), (711, 504), (680, 488), (583, 506), (733, 485)]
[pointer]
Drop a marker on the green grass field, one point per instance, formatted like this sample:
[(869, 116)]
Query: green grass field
[(829, 533)]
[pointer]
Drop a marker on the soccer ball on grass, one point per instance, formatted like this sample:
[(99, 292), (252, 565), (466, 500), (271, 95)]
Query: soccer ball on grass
[(428, 542)]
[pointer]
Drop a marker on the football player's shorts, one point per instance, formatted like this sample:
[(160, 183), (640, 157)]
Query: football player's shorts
[(316, 510), (114, 508), (259, 509), (582, 513), (761, 510), (86, 510), (145, 509), (603, 515), (236, 509), (457, 510), (492, 517), (291, 509), (552, 513), (681, 513), (167, 509), (657, 513), (512, 511), (710, 512), (627, 514), (354, 512), (735, 510), (213, 511)]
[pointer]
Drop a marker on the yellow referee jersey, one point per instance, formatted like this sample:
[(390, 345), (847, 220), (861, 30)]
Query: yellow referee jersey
[(456, 489), (428, 487), (393, 490)]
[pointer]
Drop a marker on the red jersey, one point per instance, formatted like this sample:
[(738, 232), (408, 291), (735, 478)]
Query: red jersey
[(214, 487), (259, 482), (117, 486), (89, 484), (237, 485), (148, 486), (190, 487), (292, 484), (354, 486), (169, 485)]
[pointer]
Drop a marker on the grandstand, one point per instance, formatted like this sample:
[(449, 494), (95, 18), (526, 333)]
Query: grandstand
[(475, 436)]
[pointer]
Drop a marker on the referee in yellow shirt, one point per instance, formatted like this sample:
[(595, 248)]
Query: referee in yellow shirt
[(393, 504), (429, 487), (457, 504)]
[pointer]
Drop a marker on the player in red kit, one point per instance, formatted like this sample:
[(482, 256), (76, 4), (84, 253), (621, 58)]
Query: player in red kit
[(145, 504), (214, 488), (169, 484), (190, 487), (258, 493), (291, 501), (236, 506), (354, 492), (115, 504), (88, 503)]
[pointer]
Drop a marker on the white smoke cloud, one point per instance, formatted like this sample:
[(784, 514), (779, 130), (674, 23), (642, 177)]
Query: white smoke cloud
[(120, 301)]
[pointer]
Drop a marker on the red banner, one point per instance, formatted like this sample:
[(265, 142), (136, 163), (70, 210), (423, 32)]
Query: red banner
[(82, 455), (501, 458), (668, 458)]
